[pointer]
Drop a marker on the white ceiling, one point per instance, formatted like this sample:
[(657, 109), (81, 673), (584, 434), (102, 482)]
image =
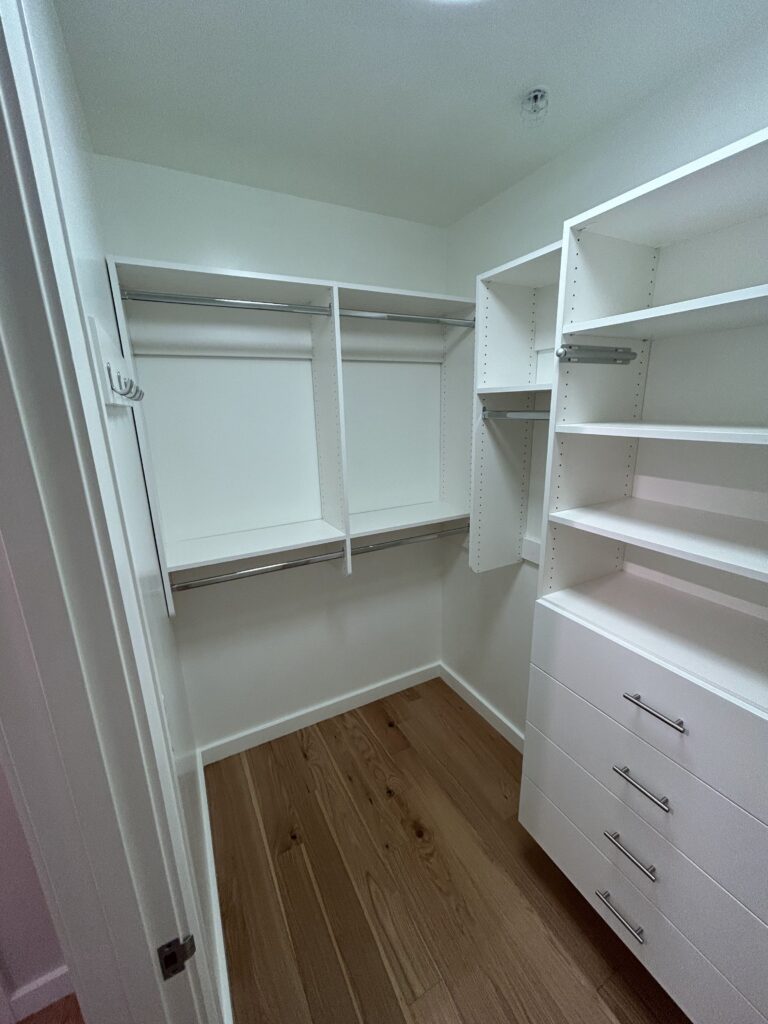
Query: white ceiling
[(403, 107)]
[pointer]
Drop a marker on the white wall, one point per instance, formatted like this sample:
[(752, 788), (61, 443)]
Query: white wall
[(258, 650), (155, 213), (486, 628)]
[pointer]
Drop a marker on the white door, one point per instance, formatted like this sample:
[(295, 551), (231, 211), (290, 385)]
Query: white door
[(81, 709)]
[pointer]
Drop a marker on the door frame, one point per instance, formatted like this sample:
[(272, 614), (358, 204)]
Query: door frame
[(75, 726)]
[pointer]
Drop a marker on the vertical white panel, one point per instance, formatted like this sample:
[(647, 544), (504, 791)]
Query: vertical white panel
[(330, 420), (456, 416), (606, 276)]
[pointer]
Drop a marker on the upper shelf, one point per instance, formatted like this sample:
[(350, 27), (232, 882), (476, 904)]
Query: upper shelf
[(670, 432), (403, 517), (708, 538), (720, 645), (725, 311), (404, 303), (537, 269), (515, 389), (724, 187)]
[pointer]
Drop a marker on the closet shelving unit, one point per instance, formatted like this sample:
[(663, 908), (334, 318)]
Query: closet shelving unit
[(407, 405), (654, 569), (516, 307), (292, 415)]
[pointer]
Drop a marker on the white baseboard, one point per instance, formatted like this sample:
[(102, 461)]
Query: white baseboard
[(491, 714), (316, 713), (40, 993), (211, 896)]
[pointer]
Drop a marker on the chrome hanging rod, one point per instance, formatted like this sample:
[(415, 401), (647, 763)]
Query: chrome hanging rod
[(289, 307), (525, 414), (295, 563)]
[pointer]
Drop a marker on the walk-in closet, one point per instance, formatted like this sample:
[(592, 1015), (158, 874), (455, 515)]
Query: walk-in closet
[(383, 513)]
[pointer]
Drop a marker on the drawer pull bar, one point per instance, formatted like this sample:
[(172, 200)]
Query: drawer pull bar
[(673, 723), (605, 898), (614, 837), (660, 801)]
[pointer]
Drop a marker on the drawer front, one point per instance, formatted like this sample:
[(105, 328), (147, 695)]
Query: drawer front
[(724, 744), (722, 839), (732, 938), (700, 989)]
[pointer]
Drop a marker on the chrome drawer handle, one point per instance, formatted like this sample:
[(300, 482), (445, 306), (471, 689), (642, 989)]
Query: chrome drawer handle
[(660, 801), (673, 723), (605, 897), (614, 837)]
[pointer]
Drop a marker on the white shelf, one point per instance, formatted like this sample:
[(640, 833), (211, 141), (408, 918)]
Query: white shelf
[(537, 269), (230, 547), (724, 647), (724, 311), (723, 542), (670, 432), (387, 520), (516, 389)]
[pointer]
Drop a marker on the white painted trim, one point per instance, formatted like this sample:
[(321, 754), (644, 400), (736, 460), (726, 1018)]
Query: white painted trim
[(315, 713), (216, 936), (41, 992), (491, 714)]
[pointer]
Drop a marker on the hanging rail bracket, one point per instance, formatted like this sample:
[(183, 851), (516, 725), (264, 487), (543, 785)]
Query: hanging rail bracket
[(616, 356)]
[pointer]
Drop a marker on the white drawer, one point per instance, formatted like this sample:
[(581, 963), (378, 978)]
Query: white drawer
[(700, 989), (724, 743), (727, 843), (732, 938)]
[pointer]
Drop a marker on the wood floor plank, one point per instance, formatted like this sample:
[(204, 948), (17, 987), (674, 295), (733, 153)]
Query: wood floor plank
[(284, 766), (467, 720), (264, 980), (436, 1007), (534, 974), (495, 778), (373, 779), (573, 924), (318, 959), (635, 998), (384, 725), (403, 888), (388, 914), (63, 1011)]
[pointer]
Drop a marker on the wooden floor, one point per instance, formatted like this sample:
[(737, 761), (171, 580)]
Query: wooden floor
[(371, 869), (65, 1011)]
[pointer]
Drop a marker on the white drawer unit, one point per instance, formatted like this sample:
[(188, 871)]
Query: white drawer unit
[(716, 737), (728, 934), (700, 989), (727, 843)]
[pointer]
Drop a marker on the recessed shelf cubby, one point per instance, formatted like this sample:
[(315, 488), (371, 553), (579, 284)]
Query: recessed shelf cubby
[(516, 319)]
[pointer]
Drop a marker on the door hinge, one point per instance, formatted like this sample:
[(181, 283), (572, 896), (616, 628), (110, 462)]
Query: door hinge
[(173, 955)]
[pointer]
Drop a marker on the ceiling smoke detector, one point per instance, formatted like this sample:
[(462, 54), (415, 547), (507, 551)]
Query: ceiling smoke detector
[(534, 105)]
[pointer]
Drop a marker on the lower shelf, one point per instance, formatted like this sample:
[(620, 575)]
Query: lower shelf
[(708, 538), (403, 517), (231, 547)]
